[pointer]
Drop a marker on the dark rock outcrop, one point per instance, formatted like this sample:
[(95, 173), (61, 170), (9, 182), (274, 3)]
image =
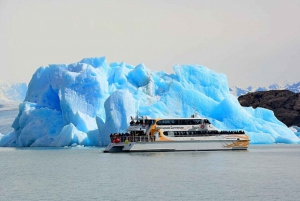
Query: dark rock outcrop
[(284, 103)]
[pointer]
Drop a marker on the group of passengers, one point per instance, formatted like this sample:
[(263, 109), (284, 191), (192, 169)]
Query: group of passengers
[(138, 122), (131, 137)]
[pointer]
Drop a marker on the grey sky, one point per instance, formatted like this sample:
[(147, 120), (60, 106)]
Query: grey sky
[(252, 42)]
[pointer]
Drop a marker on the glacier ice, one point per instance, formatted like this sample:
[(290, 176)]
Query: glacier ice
[(12, 92), (296, 130), (83, 103)]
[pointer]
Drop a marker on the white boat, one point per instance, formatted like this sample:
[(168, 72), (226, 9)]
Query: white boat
[(176, 134)]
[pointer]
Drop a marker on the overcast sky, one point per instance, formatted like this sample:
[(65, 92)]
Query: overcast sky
[(253, 42)]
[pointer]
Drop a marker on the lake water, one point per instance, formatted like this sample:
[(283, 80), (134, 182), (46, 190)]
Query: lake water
[(7, 117), (264, 172)]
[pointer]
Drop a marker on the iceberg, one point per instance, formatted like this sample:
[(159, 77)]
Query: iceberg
[(83, 103), (296, 130)]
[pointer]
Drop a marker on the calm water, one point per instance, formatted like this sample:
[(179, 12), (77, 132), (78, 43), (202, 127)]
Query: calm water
[(261, 173), (7, 117)]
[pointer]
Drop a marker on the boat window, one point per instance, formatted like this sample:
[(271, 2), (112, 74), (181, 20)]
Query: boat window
[(197, 121), (171, 133), (139, 133), (149, 122), (191, 122), (166, 133), (167, 122), (179, 122), (206, 121)]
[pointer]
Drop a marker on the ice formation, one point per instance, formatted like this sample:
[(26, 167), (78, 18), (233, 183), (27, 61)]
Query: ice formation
[(82, 103), (12, 91), (296, 130)]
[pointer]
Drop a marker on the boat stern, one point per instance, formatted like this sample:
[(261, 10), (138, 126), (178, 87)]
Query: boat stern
[(118, 147)]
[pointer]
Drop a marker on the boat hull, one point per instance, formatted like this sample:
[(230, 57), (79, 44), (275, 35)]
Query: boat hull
[(164, 146)]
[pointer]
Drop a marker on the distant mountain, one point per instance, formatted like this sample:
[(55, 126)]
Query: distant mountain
[(12, 91), (237, 91), (294, 87)]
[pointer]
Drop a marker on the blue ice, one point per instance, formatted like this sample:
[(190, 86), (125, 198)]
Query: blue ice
[(82, 103)]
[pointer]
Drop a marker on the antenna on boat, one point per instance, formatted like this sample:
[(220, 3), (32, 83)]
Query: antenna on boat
[(195, 114), (195, 111)]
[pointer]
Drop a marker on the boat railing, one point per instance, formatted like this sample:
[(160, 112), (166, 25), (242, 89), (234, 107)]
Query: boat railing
[(117, 139), (202, 133)]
